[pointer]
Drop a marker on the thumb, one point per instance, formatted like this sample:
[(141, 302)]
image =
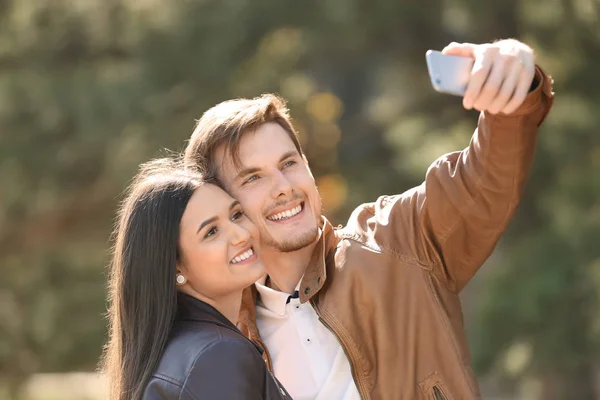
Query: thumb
[(460, 49)]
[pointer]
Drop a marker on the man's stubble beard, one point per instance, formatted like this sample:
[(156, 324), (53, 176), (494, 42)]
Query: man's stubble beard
[(294, 244)]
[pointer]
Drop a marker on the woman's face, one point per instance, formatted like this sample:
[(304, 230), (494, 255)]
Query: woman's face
[(218, 245)]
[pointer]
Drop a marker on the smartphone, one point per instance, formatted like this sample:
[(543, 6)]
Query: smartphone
[(448, 73)]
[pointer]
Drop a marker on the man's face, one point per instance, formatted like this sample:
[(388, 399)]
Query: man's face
[(275, 188)]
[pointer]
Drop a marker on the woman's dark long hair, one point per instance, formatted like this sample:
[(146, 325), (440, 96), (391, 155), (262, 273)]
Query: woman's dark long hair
[(142, 289)]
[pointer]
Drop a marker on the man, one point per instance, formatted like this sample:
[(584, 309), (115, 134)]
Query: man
[(371, 311)]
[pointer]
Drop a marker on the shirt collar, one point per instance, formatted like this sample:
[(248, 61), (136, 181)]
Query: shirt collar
[(314, 279), (272, 299)]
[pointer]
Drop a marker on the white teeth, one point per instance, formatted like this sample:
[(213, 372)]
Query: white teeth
[(244, 256), (286, 214)]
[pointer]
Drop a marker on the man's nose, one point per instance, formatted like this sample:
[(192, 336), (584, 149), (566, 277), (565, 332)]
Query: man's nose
[(281, 185)]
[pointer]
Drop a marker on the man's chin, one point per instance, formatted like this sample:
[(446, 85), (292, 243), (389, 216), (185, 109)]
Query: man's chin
[(298, 242)]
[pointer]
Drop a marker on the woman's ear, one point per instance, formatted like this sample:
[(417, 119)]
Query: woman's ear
[(180, 279)]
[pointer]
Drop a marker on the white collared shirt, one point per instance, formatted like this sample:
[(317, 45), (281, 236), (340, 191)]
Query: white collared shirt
[(307, 358)]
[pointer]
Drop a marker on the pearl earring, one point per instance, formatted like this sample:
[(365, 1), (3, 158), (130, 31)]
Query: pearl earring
[(180, 279)]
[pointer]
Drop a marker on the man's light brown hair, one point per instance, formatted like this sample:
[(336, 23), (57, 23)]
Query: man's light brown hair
[(226, 124)]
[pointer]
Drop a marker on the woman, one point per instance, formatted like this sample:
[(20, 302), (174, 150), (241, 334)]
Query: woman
[(184, 251)]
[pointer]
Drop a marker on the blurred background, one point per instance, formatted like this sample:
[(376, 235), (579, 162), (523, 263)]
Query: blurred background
[(89, 89)]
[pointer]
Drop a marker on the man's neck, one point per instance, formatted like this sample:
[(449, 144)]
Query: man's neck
[(286, 269)]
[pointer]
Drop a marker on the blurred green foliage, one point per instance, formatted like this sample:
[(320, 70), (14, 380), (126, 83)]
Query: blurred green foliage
[(91, 88)]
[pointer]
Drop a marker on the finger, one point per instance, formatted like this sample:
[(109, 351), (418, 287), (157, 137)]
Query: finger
[(492, 85), (460, 49), (507, 89), (525, 79), (479, 73)]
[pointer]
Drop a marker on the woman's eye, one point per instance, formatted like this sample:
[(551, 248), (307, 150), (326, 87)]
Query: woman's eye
[(212, 231), (288, 164), (237, 215)]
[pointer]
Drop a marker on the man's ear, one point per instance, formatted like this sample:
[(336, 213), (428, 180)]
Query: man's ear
[(308, 166)]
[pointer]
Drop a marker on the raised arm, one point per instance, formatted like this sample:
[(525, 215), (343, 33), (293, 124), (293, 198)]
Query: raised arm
[(469, 197), (452, 222)]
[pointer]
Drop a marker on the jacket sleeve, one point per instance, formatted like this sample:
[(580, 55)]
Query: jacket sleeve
[(453, 221), (228, 369)]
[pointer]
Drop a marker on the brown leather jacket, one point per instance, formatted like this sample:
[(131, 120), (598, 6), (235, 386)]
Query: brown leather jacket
[(387, 283)]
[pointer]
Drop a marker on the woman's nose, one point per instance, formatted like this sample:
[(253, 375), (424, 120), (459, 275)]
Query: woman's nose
[(239, 235)]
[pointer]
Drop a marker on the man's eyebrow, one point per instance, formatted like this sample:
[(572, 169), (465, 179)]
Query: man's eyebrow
[(246, 171), (289, 154), (253, 170)]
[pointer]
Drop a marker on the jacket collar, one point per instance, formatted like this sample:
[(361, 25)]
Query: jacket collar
[(312, 282), (192, 309), (316, 270)]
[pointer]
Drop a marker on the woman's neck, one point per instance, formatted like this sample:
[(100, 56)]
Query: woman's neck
[(229, 305)]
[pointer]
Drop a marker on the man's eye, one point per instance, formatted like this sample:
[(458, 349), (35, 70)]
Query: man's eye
[(212, 231), (251, 179), (237, 215)]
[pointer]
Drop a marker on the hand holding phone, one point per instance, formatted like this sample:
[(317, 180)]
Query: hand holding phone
[(448, 73), (492, 77)]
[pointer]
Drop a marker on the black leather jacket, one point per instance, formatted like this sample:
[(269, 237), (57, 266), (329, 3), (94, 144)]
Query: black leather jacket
[(207, 358)]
